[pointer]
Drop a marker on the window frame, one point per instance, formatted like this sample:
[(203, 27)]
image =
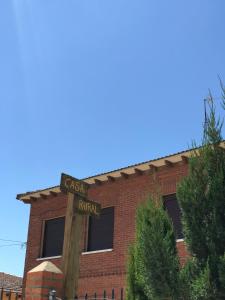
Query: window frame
[(41, 257), (86, 251), (177, 239)]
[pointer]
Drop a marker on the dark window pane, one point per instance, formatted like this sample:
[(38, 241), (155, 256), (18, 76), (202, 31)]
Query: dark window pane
[(172, 207), (53, 237), (100, 233)]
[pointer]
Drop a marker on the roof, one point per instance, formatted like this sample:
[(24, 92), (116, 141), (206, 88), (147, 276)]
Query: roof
[(10, 282), (115, 174)]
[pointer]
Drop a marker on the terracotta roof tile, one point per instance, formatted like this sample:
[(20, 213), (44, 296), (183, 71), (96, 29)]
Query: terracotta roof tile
[(11, 282)]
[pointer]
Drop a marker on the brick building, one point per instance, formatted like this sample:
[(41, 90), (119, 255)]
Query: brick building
[(105, 240)]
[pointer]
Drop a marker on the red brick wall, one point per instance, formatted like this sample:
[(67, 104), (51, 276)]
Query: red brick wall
[(38, 285), (106, 270)]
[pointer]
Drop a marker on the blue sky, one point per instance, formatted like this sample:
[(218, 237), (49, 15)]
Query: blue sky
[(91, 86)]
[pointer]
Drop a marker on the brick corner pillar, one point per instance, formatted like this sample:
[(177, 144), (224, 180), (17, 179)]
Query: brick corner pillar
[(41, 280), (182, 252)]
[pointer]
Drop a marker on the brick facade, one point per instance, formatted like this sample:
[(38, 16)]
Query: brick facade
[(42, 279), (106, 270)]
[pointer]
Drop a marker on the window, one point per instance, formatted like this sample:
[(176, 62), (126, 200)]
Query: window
[(100, 231), (172, 207), (53, 237)]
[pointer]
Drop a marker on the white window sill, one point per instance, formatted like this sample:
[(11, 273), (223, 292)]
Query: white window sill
[(97, 251), (83, 253), (179, 240), (50, 257)]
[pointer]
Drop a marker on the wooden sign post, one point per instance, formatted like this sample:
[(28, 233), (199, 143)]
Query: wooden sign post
[(77, 205)]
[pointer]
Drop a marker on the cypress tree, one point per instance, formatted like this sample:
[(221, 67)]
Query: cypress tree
[(153, 266), (153, 271), (201, 196), (134, 286)]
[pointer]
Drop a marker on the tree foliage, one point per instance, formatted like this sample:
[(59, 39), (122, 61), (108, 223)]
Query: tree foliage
[(153, 267), (201, 197)]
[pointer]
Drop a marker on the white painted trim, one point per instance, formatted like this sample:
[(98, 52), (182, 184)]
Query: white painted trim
[(97, 251), (179, 240), (50, 257)]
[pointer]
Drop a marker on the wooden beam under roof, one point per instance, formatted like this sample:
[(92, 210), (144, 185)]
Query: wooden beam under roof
[(44, 196), (54, 194), (168, 163), (184, 158), (33, 198), (124, 175), (138, 171), (111, 178), (97, 181), (153, 167)]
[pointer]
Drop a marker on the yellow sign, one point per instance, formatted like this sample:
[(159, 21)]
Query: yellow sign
[(86, 207), (77, 187), (73, 185)]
